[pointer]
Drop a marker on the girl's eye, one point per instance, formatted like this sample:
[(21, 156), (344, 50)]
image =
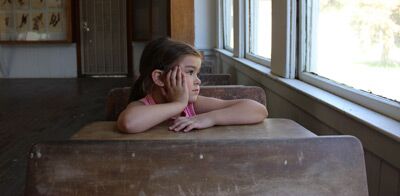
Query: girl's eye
[(191, 72)]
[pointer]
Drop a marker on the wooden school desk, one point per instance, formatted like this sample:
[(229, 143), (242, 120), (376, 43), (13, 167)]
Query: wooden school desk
[(269, 128), (311, 166), (274, 157)]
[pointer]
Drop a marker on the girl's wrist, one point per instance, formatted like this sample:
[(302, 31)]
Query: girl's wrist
[(209, 117), (180, 105)]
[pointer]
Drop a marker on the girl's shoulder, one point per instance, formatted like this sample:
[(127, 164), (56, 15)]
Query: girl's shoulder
[(147, 100), (135, 103)]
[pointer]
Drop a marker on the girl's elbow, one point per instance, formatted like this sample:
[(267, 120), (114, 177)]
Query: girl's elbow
[(126, 126), (260, 115), (260, 108), (264, 112)]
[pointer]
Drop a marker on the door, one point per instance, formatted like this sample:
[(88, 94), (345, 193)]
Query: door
[(103, 35)]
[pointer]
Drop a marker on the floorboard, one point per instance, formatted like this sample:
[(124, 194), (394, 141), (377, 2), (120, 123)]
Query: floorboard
[(34, 110)]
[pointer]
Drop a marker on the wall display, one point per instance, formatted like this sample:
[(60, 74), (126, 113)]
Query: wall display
[(35, 21)]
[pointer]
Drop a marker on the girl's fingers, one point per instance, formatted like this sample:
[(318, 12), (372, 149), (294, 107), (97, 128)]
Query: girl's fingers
[(179, 77), (189, 128), (172, 127), (167, 80), (183, 79), (173, 76), (178, 122), (183, 125)]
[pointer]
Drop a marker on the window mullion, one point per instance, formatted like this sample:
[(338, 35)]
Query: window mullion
[(247, 22), (283, 55), (308, 19), (239, 28), (220, 24)]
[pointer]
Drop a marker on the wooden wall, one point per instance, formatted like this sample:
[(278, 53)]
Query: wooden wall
[(182, 20)]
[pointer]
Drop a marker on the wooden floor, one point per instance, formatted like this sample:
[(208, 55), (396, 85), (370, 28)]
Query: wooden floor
[(33, 110)]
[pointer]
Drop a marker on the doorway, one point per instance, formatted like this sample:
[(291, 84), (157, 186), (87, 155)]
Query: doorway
[(104, 42)]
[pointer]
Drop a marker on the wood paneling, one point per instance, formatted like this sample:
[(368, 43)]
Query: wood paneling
[(142, 22), (389, 180), (398, 187), (182, 20), (373, 165), (151, 19), (159, 18)]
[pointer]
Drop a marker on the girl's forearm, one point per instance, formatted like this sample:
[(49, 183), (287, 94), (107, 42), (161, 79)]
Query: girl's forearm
[(243, 112), (141, 118)]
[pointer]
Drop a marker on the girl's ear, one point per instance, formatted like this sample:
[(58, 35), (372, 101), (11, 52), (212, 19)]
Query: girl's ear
[(156, 75)]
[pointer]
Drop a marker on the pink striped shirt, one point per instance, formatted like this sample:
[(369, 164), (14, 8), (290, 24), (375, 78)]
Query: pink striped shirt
[(187, 112)]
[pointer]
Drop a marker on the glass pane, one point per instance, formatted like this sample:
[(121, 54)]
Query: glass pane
[(35, 20), (228, 24), (260, 28), (358, 44)]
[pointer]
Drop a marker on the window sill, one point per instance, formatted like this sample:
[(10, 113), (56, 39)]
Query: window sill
[(385, 125)]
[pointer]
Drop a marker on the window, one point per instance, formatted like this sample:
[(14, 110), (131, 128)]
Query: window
[(228, 24), (259, 31), (354, 51), (349, 48), (248, 29)]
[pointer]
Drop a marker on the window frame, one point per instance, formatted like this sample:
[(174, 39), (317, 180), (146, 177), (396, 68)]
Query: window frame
[(307, 35), (292, 51), (255, 58), (258, 59), (225, 26), (283, 33)]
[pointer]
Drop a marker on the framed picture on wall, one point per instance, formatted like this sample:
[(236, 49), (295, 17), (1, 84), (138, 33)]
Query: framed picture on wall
[(23, 21), (21, 4), (38, 4)]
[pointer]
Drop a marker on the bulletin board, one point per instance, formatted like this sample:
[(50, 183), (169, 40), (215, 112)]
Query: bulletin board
[(35, 21)]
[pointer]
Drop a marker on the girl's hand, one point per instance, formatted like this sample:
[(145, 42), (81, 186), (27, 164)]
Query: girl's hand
[(186, 124), (175, 89)]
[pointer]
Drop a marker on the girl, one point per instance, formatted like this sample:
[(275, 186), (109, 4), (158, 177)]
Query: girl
[(168, 88)]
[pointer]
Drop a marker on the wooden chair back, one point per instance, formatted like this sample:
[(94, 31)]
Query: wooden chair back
[(118, 98), (215, 79)]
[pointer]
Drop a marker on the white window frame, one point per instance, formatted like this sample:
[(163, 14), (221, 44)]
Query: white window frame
[(255, 58), (308, 15), (283, 35), (224, 26)]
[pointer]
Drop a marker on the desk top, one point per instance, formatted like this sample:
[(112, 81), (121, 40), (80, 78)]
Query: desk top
[(269, 128)]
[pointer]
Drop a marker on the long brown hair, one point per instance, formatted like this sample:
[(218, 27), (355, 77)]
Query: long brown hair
[(158, 54)]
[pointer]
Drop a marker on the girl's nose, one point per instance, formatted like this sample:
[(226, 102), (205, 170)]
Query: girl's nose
[(197, 80)]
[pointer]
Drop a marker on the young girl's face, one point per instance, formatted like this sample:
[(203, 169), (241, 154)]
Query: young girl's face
[(190, 66)]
